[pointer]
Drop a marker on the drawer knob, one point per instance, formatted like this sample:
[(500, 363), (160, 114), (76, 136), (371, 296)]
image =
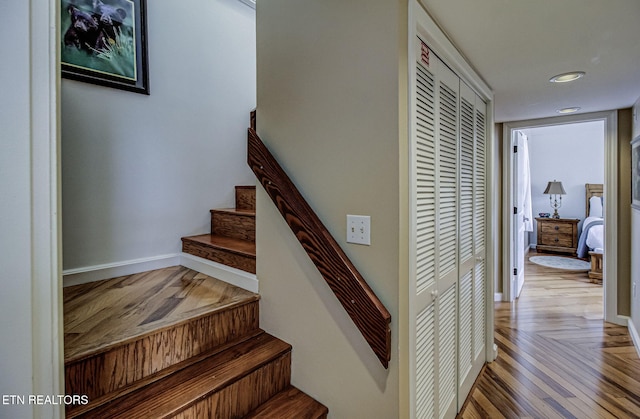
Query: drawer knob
[(556, 240), (557, 228)]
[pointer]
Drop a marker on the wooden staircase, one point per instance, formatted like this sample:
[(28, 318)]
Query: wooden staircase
[(175, 343), (232, 240)]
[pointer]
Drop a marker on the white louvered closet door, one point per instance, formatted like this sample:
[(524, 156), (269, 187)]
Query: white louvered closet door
[(423, 278), (471, 274), (434, 294), (466, 256), (447, 242), (447, 285)]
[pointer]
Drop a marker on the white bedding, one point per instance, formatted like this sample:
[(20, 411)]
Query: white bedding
[(595, 235)]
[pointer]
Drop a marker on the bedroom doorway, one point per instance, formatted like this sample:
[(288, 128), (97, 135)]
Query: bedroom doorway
[(513, 255)]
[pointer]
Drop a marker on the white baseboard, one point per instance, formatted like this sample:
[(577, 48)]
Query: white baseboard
[(635, 336), (497, 296), (87, 274), (224, 273), (618, 319)]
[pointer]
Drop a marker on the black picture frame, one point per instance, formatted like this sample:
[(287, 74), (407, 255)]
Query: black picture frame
[(104, 42), (635, 173)]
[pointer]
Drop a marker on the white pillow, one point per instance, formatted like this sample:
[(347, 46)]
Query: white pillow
[(595, 206)]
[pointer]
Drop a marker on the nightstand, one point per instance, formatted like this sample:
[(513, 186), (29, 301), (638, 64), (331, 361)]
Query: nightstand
[(559, 235)]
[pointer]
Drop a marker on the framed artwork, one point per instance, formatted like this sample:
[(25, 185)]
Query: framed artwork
[(105, 42), (635, 173)]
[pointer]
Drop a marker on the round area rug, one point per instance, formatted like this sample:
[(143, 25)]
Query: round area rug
[(558, 262)]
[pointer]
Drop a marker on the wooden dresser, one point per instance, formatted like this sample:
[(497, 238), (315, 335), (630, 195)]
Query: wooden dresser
[(559, 235)]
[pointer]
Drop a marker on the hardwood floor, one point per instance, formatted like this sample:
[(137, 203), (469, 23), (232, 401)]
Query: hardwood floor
[(557, 358)]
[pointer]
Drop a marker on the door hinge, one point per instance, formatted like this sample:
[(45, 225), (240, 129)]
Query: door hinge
[(515, 271), (515, 210), (515, 148)]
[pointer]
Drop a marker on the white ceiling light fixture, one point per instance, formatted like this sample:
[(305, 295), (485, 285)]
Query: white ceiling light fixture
[(568, 110), (567, 77)]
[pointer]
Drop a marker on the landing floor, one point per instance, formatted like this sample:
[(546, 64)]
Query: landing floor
[(100, 314)]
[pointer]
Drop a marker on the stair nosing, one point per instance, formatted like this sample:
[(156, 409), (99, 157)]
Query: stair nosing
[(235, 211)]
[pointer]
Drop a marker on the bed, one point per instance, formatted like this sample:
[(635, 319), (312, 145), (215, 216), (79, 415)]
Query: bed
[(591, 241)]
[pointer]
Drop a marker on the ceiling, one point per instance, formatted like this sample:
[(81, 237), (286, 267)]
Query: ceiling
[(518, 45)]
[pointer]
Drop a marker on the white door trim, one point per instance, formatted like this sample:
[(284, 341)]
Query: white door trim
[(610, 269), (46, 255)]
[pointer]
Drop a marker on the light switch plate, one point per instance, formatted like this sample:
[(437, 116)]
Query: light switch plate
[(359, 229)]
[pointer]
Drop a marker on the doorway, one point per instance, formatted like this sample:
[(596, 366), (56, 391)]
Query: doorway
[(510, 256)]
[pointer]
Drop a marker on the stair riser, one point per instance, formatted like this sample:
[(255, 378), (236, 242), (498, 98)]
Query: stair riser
[(123, 366), (243, 396), (246, 197), (239, 226), (245, 263)]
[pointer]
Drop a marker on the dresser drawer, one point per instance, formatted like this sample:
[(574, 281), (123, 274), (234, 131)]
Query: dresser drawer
[(557, 228), (561, 240)]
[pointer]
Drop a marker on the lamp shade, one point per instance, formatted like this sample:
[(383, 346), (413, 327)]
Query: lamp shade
[(555, 188)]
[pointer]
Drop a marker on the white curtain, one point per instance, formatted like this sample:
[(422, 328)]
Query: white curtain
[(526, 183)]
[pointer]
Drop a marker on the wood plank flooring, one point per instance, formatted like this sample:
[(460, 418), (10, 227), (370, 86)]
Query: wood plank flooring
[(557, 358)]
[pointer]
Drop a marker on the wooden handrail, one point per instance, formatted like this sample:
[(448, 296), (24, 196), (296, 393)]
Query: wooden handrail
[(363, 306)]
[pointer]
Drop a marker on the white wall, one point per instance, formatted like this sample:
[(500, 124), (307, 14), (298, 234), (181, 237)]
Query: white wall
[(572, 154), (329, 109), (139, 172)]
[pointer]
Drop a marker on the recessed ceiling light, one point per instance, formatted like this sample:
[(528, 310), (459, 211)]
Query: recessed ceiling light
[(569, 110), (565, 77)]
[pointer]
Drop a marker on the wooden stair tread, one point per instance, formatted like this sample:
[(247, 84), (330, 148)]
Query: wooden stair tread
[(176, 392), (73, 411), (241, 247), (290, 403), (103, 314)]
